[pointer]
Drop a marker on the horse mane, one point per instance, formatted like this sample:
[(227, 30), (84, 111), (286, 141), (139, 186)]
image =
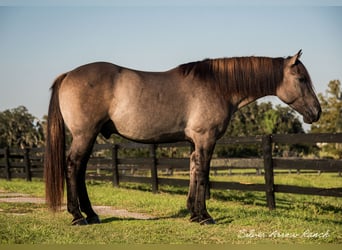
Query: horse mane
[(238, 75)]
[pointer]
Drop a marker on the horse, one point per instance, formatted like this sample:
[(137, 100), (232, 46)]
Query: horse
[(192, 102)]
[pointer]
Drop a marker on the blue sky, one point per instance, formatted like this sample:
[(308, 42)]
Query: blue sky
[(40, 40)]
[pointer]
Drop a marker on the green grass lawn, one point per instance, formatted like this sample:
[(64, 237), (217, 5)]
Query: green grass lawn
[(241, 216)]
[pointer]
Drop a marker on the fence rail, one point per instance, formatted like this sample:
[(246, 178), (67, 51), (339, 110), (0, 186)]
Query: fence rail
[(107, 164)]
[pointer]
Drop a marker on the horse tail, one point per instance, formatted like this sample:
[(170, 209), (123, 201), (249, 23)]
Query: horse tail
[(54, 162)]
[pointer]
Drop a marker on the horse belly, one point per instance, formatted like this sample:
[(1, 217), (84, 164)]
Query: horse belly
[(149, 126)]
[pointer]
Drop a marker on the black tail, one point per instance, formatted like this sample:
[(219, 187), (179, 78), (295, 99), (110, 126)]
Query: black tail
[(54, 162)]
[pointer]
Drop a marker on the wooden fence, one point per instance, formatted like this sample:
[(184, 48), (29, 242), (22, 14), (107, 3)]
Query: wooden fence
[(107, 164)]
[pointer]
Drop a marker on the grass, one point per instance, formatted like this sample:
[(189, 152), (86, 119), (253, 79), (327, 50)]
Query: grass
[(241, 217)]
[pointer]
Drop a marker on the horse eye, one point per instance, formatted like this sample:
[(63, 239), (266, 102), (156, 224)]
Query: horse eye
[(301, 79)]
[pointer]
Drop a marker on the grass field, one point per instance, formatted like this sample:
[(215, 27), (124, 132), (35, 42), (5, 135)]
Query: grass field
[(241, 217)]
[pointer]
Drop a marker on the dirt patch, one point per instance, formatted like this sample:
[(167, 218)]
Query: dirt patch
[(11, 197)]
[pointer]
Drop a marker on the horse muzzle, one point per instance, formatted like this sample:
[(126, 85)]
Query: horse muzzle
[(312, 116)]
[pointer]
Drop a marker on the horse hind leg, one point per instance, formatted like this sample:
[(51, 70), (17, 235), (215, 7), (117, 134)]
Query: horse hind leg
[(83, 198), (85, 205), (77, 195), (73, 206)]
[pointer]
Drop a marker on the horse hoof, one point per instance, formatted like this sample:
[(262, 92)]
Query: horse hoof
[(194, 219), (79, 222), (93, 220), (209, 221)]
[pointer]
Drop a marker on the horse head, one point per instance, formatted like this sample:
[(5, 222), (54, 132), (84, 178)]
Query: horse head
[(297, 91)]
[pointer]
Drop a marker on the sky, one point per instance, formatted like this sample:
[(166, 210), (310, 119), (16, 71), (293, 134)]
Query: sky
[(40, 40)]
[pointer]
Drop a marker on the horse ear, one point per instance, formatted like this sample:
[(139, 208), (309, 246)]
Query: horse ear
[(299, 54), (294, 59)]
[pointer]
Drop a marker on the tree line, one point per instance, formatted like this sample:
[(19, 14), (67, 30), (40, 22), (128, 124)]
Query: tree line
[(19, 128)]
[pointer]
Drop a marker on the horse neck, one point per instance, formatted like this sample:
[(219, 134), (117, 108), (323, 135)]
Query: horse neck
[(243, 99), (246, 79)]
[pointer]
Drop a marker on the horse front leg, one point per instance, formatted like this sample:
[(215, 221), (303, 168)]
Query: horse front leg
[(202, 175), (192, 189), (199, 181)]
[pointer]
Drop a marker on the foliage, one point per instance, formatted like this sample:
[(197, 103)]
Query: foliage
[(263, 118), (259, 119), (18, 128), (331, 103), (331, 118)]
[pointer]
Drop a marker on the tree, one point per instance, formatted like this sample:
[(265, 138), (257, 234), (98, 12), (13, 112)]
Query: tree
[(260, 119), (331, 103), (331, 117), (18, 128)]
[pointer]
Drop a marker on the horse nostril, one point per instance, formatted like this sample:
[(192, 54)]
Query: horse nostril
[(319, 112)]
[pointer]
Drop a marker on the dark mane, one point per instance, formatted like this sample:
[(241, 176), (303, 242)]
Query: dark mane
[(238, 75)]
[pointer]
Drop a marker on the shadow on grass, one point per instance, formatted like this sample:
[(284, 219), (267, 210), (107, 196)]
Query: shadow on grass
[(113, 219)]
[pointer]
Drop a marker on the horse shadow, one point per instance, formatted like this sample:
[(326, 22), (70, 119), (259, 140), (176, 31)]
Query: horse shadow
[(113, 219), (181, 214)]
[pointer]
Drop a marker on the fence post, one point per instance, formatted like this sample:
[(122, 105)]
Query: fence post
[(7, 164), (115, 166), (154, 171), (27, 164), (269, 175)]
